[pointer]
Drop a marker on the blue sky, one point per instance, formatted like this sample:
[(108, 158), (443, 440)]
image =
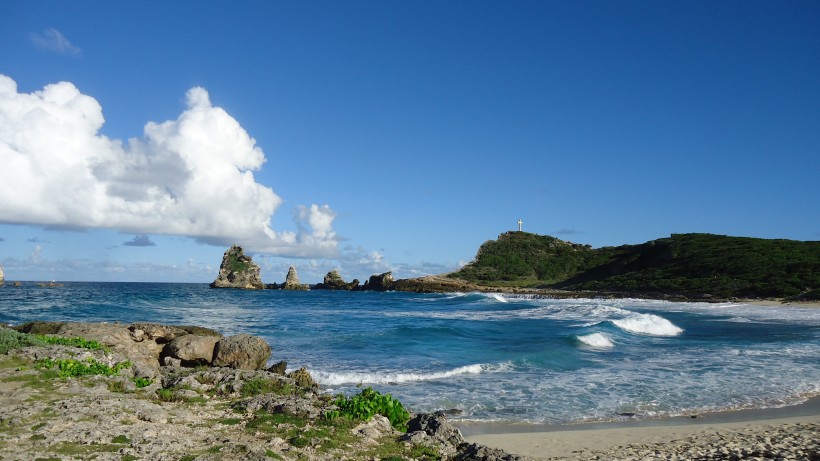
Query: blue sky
[(138, 140)]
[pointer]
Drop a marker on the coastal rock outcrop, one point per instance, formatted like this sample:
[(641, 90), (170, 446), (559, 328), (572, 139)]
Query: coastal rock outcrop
[(243, 352), (380, 282), (2, 276), (238, 271), (292, 281), (334, 281), (151, 345)]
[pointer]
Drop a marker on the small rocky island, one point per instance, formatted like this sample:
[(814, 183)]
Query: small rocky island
[(238, 271)]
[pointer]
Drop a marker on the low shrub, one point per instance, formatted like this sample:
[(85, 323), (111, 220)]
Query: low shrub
[(368, 403), (70, 368)]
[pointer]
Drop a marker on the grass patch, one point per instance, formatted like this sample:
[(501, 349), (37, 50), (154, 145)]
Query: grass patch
[(82, 343), (75, 449), (230, 421), (38, 426), (37, 437), (121, 439), (267, 386)]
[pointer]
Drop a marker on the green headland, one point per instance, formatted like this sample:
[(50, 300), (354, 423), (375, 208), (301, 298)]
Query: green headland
[(691, 266)]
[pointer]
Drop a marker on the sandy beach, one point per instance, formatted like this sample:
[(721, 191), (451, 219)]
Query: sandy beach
[(782, 433)]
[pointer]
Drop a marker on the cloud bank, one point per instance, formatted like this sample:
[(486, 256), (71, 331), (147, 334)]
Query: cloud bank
[(192, 176)]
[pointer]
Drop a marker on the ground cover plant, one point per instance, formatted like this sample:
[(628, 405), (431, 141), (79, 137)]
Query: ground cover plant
[(369, 403)]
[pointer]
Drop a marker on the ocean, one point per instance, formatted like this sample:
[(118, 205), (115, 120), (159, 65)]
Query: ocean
[(490, 357)]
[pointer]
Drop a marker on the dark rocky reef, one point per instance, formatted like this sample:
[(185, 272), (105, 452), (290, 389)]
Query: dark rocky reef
[(238, 271), (334, 281)]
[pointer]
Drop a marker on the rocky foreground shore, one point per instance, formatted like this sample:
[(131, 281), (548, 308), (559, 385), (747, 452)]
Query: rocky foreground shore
[(154, 392)]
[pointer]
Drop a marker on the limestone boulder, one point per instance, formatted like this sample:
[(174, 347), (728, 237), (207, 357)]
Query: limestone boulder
[(191, 350), (243, 352)]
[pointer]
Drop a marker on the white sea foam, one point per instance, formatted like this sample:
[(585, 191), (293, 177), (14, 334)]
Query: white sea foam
[(596, 340), (648, 324), (498, 297), (353, 377)]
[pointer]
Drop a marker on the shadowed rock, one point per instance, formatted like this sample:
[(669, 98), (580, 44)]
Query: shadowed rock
[(243, 352)]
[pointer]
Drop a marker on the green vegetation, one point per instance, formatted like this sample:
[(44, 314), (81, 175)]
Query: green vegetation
[(141, 382), (368, 403), (71, 342), (10, 340), (691, 265), (266, 386), (120, 439), (70, 368)]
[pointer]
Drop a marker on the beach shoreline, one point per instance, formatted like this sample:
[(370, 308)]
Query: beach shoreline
[(637, 439)]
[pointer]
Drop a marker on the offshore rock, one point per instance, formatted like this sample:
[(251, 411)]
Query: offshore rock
[(292, 281), (380, 282), (238, 271), (2, 277), (242, 352), (334, 281)]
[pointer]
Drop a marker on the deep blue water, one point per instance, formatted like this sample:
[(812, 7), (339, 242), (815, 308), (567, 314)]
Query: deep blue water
[(492, 357)]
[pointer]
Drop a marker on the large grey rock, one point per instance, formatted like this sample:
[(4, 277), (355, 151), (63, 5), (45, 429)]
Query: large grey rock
[(243, 352), (434, 431), (191, 350), (238, 271), (2, 276)]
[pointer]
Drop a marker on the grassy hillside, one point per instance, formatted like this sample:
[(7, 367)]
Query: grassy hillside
[(683, 264)]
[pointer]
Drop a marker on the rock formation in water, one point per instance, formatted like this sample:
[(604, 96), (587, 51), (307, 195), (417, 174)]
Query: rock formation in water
[(238, 271), (292, 281), (334, 281), (380, 282), (2, 280)]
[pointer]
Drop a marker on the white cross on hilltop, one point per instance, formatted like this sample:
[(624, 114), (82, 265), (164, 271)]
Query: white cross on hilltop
[(520, 222)]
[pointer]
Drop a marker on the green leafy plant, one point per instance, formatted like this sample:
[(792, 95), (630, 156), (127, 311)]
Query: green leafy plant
[(142, 382), (368, 403), (70, 368), (71, 342)]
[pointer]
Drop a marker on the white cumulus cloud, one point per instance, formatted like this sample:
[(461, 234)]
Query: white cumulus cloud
[(192, 176)]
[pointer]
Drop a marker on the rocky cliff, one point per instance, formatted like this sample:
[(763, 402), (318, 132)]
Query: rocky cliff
[(238, 271)]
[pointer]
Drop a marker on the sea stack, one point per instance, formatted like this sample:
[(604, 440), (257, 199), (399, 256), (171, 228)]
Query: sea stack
[(2, 279), (238, 271), (292, 281)]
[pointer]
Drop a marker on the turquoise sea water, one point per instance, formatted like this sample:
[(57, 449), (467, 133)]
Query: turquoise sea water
[(493, 357)]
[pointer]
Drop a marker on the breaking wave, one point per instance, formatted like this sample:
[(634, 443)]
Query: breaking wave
[(352, 377), (596, 340), (648, 324)]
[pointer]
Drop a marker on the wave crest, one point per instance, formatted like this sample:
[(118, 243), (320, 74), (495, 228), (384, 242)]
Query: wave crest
[(352, 377), (596, 340), (648, 324)]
